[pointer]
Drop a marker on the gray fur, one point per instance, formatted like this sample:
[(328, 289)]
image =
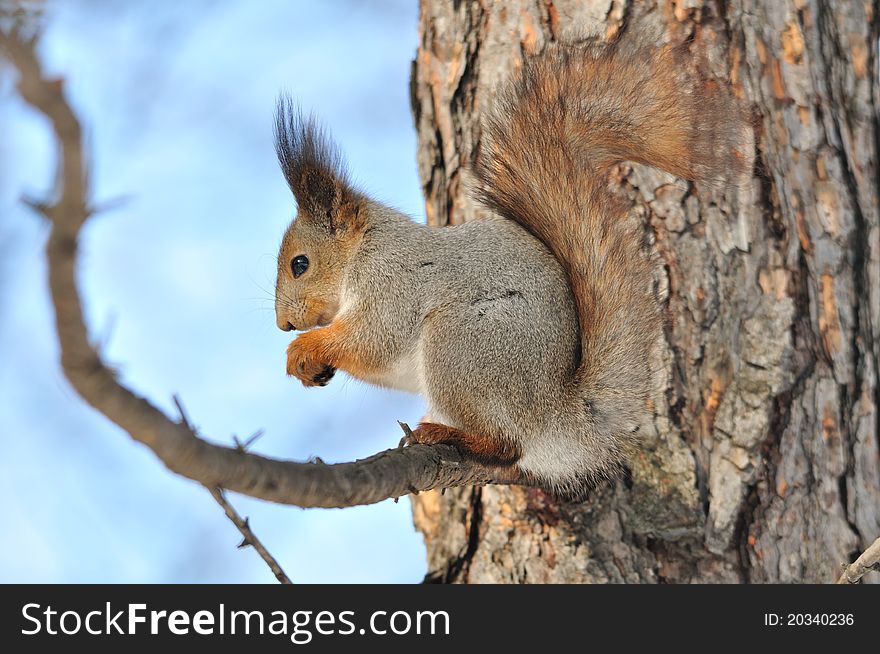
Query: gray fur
[(479, 319)]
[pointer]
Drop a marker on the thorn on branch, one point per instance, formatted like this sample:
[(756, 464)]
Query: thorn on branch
[(243, 446), (253, 438), (245, 541), (112, 204), (40, 206), (407, 435), (184, 418)]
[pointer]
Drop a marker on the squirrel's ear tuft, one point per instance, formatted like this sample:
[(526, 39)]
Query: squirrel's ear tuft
[(314, 170)]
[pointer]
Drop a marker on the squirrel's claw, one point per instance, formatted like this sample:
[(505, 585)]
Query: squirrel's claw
[(324, 376)]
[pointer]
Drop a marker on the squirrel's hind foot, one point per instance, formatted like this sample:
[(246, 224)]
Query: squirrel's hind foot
[(484, 449)]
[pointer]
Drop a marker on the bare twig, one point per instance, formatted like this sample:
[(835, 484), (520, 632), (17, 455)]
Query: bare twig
[(389, 474), (869, 560), (242, 524), (249, 537), (250, 440)]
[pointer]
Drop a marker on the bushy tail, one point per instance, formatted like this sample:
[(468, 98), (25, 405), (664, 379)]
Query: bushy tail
[(547, 145)]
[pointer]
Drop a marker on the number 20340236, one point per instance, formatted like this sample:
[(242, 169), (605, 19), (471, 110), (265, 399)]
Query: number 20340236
[(808, 619)]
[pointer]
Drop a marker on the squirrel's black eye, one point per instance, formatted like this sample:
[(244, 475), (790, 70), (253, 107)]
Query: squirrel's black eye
[(299, 265)]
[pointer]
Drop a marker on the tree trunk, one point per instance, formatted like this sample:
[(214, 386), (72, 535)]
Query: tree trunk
[(762, 465)]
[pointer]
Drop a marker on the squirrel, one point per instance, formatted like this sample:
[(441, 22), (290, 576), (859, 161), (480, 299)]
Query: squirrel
[(528, 331)]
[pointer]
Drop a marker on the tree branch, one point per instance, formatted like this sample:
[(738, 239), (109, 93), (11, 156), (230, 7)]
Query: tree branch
[(869, 560), (389, 474)]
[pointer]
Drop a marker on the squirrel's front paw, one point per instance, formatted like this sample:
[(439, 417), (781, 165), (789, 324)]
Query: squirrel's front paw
[(305, 366)]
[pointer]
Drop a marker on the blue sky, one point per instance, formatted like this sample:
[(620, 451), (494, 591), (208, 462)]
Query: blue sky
[(177, 100)]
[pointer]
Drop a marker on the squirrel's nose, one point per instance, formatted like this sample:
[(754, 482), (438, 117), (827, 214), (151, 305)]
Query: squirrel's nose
[(285, 326)]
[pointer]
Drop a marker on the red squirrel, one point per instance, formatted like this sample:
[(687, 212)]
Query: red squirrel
[(527, 332)]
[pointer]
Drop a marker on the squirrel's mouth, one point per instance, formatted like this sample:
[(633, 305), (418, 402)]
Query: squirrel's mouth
[(305, 325)]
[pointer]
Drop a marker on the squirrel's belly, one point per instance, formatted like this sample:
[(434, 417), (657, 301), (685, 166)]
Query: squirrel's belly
[(404, 374)]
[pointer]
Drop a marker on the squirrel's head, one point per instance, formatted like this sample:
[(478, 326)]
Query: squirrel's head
[(327, 230)]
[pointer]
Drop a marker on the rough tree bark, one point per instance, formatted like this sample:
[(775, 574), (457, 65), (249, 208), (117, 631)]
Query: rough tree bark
[(762, 461)]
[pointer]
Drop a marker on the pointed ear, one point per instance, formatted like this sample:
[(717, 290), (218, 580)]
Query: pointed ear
[(315, 171)]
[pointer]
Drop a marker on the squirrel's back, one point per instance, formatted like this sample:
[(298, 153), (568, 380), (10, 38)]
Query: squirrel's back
[(547, 145)]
